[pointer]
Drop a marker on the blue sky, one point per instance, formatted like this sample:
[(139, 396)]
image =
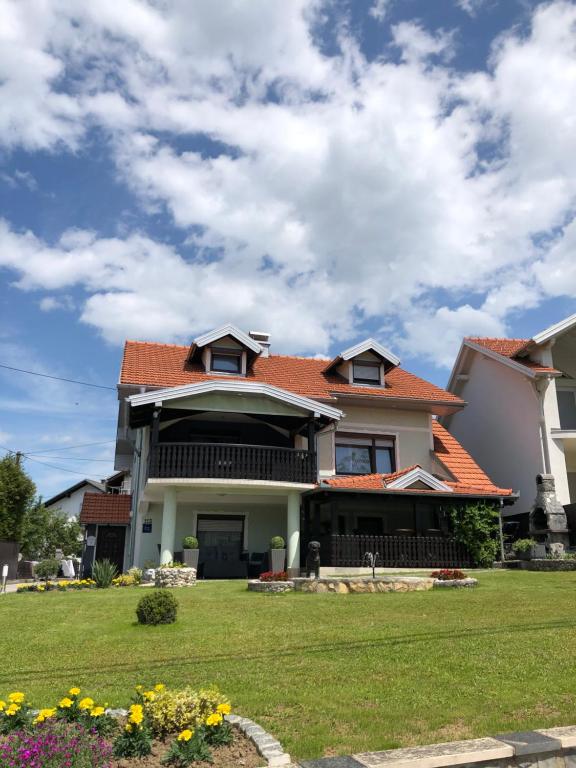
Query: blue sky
[(321, 169)]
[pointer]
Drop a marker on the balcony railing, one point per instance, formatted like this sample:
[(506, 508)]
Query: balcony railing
[(232, 462)]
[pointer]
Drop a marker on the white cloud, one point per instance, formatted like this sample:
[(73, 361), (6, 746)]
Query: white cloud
[(380, 9), (355, 193)]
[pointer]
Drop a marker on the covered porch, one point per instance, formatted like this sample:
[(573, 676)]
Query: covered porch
[(233, 522)]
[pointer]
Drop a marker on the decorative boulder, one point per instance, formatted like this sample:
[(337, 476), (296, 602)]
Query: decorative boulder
[(175, 577)]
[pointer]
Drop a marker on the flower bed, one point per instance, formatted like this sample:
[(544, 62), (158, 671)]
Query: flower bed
[(452, 577), (57, 586), (161, 727)]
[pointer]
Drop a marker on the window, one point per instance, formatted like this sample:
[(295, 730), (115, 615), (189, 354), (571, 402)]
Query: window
[(364, 455), (567, 408), (226, 361), (365, 373)]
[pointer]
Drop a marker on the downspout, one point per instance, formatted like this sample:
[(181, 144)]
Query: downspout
[(540, 387), (135, 494)]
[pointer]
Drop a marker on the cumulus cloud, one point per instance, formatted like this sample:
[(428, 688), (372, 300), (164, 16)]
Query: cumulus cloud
[(343, 191)]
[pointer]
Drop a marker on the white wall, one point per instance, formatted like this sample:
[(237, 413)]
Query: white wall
[(500, 427), (70, 506)]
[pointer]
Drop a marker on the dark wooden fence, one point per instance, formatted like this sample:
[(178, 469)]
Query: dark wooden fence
[(231, 461), (9, 556), (399, 551)]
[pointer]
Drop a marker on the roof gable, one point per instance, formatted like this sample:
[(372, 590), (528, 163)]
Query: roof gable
[(218, 333), (368, 345)]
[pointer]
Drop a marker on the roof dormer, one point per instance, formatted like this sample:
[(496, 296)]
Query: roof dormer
[(364, 364), (225, 351)]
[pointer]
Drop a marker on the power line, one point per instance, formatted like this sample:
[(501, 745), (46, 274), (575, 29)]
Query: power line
[(68, 458), (67, 447), (62, 469), (56, 378)]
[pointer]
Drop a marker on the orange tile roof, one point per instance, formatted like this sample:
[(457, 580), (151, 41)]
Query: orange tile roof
[(106, 508), (165, 365), (510, 348), (469, 478)]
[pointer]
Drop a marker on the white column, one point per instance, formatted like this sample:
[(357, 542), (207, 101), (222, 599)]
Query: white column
[(293, 532), (168, 526)]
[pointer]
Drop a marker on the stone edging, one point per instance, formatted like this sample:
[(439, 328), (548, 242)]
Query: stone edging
[(268, 747), (467, 582), (255, 585), (523, 748)]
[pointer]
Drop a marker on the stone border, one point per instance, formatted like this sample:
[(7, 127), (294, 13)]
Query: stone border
[(268, 747), (255, 585), (467, 582), (518, 750)]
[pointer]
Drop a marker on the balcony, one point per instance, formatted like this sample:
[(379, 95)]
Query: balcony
[(229, 461)]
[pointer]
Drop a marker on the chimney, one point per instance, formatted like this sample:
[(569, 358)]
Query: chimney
[(263, 339)]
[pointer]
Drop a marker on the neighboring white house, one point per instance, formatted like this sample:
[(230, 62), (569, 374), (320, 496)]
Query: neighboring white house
[(520, 418), (69, 501)]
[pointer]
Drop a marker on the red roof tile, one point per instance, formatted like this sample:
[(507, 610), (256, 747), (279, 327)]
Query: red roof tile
[(106, 508), (469, 478), (510, 348), (165, 365)]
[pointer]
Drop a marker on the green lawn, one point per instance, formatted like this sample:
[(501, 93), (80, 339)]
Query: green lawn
[(327, 674)]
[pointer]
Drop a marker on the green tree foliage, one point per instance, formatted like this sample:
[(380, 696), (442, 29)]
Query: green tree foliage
[(476, 526), (45, 530), (17, 492)]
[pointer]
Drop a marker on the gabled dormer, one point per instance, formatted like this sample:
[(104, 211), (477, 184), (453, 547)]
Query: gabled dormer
[(365, 364), (225, 351)]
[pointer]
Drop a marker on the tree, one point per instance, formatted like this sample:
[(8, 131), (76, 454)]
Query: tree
[(45, 530), (16, 494), (476, 526)]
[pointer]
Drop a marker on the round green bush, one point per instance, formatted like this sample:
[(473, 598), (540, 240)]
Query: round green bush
[(47, 569), (277, 542), (190, 542), (159, 607)]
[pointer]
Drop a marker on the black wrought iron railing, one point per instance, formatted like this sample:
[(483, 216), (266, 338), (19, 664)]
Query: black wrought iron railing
[(232, 461), (399, 551)]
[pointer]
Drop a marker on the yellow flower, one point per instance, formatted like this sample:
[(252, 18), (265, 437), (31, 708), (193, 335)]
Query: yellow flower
[(74, 691), (41, 588), (136, 714), (159, 687), (224, 709), (97, 712), (128, 727), (17, 697), (2, 705), (44, 714), (139, 688), (65, 703), (186, 735), (214, 719), (86, 703), (149, 695), (12, 709)]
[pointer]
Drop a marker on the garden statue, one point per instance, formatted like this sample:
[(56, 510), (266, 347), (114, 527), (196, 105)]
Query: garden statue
[(313, 559)]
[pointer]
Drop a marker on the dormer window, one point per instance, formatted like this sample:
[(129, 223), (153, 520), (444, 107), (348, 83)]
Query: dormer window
[(365, 372), (226, 361)]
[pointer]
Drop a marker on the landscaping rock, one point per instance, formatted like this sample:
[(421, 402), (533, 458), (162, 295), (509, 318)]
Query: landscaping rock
[(175, 577), (270, 586), (363, 585), (468, 582)]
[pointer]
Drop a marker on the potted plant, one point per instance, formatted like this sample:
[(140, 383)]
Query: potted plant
[(523, 548), (190, 551), (277, 554)]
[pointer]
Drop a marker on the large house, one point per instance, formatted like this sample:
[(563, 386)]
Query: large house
[(521, 414), (232, 444)]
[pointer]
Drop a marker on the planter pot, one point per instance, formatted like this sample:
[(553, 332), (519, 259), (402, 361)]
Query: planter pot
[(190, 557), (527, 555), (277, 560)]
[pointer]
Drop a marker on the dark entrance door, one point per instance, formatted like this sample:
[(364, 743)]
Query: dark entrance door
[(110, 544), (220, 540)]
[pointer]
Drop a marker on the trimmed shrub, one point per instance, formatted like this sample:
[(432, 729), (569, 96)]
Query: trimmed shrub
[(103, 573), (190, 542), (523, 545), (277, 542), (47, 569), (159, 607)]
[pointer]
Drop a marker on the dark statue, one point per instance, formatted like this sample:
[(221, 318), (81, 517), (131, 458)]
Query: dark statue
[(313, 559)]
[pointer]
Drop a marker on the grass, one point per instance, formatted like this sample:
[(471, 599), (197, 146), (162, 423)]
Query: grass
[(327, 674)]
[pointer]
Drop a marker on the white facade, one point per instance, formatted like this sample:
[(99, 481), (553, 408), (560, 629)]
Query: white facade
[(512, 424), (69, 502)]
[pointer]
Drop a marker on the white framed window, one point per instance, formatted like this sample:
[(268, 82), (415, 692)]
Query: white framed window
[(226, 361), (567, 407)]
